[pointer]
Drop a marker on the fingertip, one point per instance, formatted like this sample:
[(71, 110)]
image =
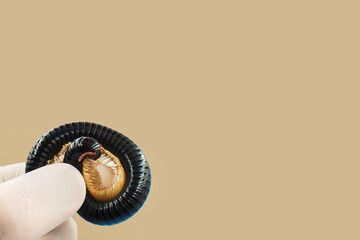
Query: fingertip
[(9, 172), (76, 181)]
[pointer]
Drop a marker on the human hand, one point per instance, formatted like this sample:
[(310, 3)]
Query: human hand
[(39, 204)]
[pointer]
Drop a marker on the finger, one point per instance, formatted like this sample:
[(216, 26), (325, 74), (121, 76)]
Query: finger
[(67, 230), (37, 202), (11, 171)]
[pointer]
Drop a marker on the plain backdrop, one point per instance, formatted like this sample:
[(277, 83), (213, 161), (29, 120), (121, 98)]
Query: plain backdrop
[(247, 111)]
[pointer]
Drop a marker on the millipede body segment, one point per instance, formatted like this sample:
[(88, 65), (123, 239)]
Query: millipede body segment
[(116, 172)]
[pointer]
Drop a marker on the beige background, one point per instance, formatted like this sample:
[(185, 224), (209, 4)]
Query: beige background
[(248, 111)]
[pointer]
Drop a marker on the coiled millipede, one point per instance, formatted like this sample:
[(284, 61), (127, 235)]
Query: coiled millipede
[(115, 170)]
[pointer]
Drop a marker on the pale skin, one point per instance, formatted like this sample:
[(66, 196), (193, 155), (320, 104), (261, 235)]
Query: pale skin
[(39, 205)]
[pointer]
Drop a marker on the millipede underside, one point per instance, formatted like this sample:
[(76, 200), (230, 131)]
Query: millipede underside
[(104, 177)]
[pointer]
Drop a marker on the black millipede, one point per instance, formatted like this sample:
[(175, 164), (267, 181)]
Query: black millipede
[(115, 170)]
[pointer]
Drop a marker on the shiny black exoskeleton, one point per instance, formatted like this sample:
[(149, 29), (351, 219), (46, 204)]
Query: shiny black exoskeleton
[(137, 170)]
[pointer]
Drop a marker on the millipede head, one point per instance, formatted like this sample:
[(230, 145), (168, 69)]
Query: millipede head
[(81, 148)]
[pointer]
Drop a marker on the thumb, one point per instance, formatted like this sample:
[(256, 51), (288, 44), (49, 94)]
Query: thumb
[(37, 202)]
